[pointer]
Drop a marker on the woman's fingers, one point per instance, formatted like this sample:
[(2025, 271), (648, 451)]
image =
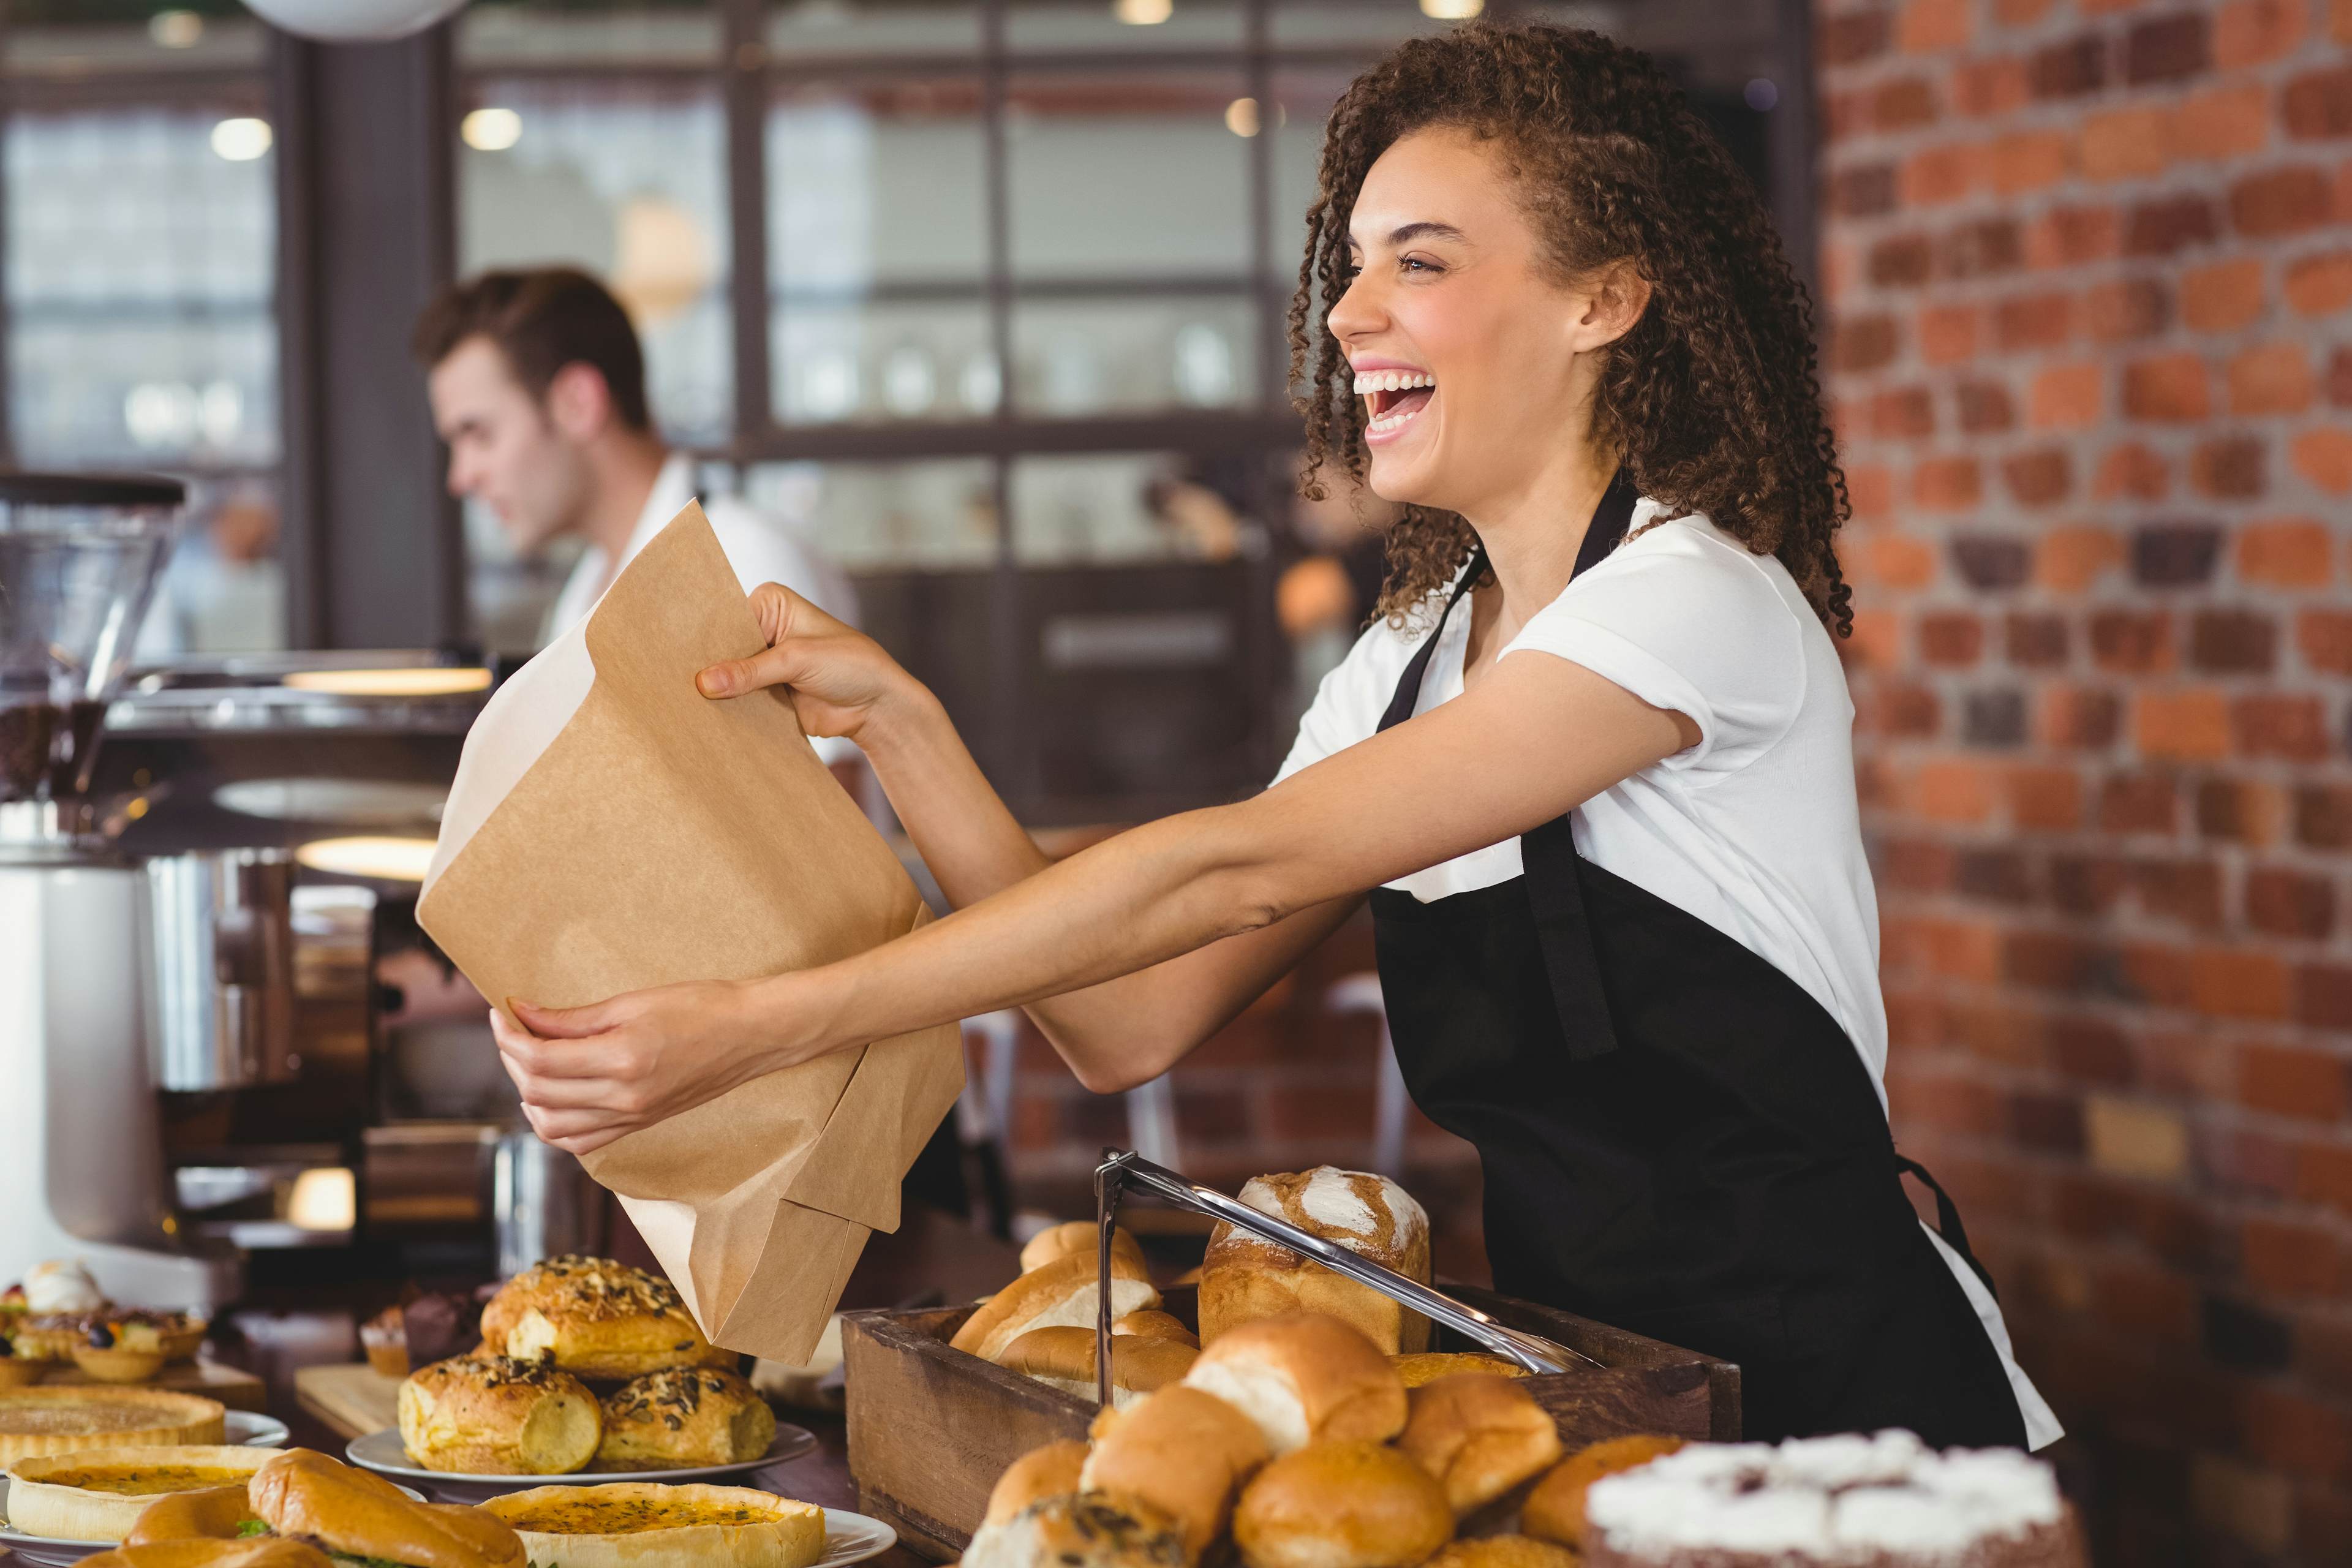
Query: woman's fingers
[(565, 1023), (770, 667)]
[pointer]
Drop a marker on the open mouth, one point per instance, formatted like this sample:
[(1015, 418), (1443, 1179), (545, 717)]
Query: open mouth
[(1393, 398)]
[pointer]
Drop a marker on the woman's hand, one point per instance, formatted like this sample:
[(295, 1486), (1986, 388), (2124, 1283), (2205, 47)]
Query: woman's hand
[(840, 678), (588, 1075)]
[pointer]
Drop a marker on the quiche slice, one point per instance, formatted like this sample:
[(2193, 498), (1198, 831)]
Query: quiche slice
[(635, 1524), (98, 1494), (63, 1420)]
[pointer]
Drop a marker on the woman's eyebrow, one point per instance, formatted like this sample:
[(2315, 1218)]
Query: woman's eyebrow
[(1427, 228)]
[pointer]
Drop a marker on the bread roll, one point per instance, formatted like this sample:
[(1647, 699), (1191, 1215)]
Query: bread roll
[(1078, 1237), (1430, 1365), (1040, 1473), (1480, 1436), (1306, 1377), (1182, 1451), (1091, 1530), (1555, 1510), (495, 1416), (1154, 1324), (1243, 1278), (1063, 1294), (683, 1415), (1064, 1359), (1504, 1551), (355, 1513), (1341, 1505), (267, 1552), (214, 1513), (597, 1318)]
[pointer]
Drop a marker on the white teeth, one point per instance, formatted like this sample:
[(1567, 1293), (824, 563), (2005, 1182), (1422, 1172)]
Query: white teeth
[(1393, 381)]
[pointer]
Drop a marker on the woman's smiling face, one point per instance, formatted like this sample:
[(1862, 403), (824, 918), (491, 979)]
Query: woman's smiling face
[(1465, 349)]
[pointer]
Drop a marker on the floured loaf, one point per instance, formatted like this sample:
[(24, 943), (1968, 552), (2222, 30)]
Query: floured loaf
[(1243, 1278)]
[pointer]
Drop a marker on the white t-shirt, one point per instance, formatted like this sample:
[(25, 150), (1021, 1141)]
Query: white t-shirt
[(1756, 829)]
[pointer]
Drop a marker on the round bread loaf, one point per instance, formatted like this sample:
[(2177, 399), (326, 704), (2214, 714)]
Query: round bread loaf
[(1062, 1294), (1089, 1530), (1555, 1510), (267, 1552), (597, 1318), (1079, 1236), (1064, 1359), (1182, 1452), (1503, 1552), (1305, 1377), (496, 1415), (1479, 1435), (683, 1415), (1243, 1278), (1040, 1473), (1430, 1365), (1341, 1505)]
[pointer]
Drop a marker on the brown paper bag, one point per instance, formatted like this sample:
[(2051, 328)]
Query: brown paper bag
[(610, 829)]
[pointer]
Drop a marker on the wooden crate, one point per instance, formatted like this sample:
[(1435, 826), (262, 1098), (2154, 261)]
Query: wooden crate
[(930, 1428)]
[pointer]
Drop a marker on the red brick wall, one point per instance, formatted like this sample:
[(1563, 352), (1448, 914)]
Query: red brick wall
[(2089, 267)]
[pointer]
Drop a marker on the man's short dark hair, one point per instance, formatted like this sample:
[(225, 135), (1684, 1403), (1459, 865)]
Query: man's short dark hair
[(542, 319)]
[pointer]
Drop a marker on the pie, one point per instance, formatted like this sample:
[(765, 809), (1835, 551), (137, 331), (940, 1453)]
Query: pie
[(97, 1495), (633, 1524), (54, 1420)]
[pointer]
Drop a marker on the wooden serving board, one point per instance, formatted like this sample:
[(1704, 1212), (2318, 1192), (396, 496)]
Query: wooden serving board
[(930, 1428), (353, 1398), (232, 1386)]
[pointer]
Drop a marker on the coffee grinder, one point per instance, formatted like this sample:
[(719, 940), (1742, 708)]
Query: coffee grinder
[(82, 1164)]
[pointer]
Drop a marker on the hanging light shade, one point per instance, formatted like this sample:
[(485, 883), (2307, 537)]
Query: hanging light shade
[(352, 21)]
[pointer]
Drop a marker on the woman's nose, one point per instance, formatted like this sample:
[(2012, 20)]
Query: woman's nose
[(1356, 311)]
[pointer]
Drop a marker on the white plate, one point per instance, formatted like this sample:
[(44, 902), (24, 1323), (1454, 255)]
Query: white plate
[(853, 1538), (48, 1552), (383, 1453), (255, 1431)]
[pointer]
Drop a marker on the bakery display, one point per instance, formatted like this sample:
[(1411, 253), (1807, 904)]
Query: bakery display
[(499, 1416), (1243, 1278), (36, 1421), (1089, 1530), (633, 1523), (1079, 1236), (98, 1494), (1182, 1451), (683, 1415), (1479, 1436), (1428, 1367), (1303, 1377), (1348, 1504), (1555, 1508), (595, 1318), (1062, 1294), (1064, 1359), (265, 1551), (1888, 1500)]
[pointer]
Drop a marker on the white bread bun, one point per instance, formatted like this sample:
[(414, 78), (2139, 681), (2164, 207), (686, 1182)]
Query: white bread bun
[(1182, 1451), (1063, 1294), (1064, 1359), (1080, 1235), (1090, 1530), (1151, 1323), (1243, 1278), (1040, 1473), (1341, 1505), (1306, 1377), (1555, 1508), (1480, 1436)]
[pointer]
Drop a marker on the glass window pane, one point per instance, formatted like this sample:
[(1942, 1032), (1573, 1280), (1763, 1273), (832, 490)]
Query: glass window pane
[(1303, 100), (1095, 26), (74, 38), (628, 180), (868, 517), (820, 29), (1137, 352), (1128, 508), (1372, 24), (224, 590), (876, 361), (1128, 174), (881, 184), (496, 33)]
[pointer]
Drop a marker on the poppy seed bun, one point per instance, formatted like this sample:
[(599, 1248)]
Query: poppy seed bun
[(683, 1415), (1243, 1278), (1064, 1359), (301, 1493), (1040, 1473), (1063, 1294), (1341, 1505), (1078, 1237), (1183, 1452), (1479, 1435), (265, 1551), (494, 1416), (1151, 1323), (597, 1318), (1091, 1530), (1306, 1377), (1430, 1365), (1555, 1510), (1504, 1551)]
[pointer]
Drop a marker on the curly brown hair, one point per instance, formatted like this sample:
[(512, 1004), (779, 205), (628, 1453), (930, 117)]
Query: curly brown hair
[(1712, 400)]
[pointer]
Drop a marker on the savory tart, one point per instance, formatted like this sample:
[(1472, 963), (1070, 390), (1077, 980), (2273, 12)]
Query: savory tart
[(596, 1319), (635, 1524), (97, 1494), (495, 1416), (683, 1415), (54, 1420)]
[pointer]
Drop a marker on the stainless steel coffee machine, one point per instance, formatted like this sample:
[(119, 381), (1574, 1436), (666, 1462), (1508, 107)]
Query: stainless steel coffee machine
[(82, 1155)]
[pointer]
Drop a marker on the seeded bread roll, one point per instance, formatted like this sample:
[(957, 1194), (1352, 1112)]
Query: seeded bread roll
[(1090, 1530), (1480, 1436), (1341, 1505), (1555, 1510), (1308, 1377), (1064, 1359), (683, 1415), (1243, 1278), (1077, 1236), (597, 1318), (1182, 1451), (496, 1415), (1063, 1294), (1040, 1473)]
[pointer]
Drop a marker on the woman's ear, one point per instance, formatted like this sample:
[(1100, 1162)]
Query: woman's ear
[(1615, 294)]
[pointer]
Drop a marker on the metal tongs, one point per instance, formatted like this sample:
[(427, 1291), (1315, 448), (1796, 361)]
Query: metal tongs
[(1122, 1169)]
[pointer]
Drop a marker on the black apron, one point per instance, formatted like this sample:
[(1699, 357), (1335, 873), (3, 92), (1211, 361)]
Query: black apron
[(1677, 1139)]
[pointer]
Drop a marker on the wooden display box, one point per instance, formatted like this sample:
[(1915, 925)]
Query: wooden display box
[(930, 1428)]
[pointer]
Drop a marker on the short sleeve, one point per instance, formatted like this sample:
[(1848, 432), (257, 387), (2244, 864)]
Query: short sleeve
[(1349, 699), (1688, 620)]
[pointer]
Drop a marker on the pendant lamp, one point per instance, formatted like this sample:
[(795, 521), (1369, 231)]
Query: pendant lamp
[(352, 21)]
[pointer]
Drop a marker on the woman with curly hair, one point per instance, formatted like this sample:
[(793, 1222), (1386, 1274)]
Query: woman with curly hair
[(1591, 765)]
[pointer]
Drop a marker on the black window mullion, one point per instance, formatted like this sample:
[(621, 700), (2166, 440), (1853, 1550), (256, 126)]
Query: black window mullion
[(744, 83), (1259, 85)]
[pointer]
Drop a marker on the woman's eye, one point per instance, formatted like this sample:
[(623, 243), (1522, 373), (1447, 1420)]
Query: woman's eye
[(1415, 264)]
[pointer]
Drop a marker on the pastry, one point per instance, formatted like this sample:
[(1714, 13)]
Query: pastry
[(216, 1512), (683, 1415), (1304, 1377), (63, 1420), (1341, 1505), (384, 1341), (1040, 1473), (1555, 1508), (1479, 1436), (1182, 1452), (633, 1524), (498, 1416), (1081, 1237), (264, 1552), (1063, 1294), (1430, 1365), (1064, 1359), (597, 1318), (15, 1371), (98, 1494), (352, 1514), (49, 1336), (63, 1287), (1243, 1278), (1089, 1529), (1886, 1500), (1503, 1552), (104, 1356)]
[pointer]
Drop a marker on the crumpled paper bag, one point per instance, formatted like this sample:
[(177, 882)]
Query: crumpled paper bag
[(609, 829)]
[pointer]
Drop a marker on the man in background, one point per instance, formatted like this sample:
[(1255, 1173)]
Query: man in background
[(538, 385)]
